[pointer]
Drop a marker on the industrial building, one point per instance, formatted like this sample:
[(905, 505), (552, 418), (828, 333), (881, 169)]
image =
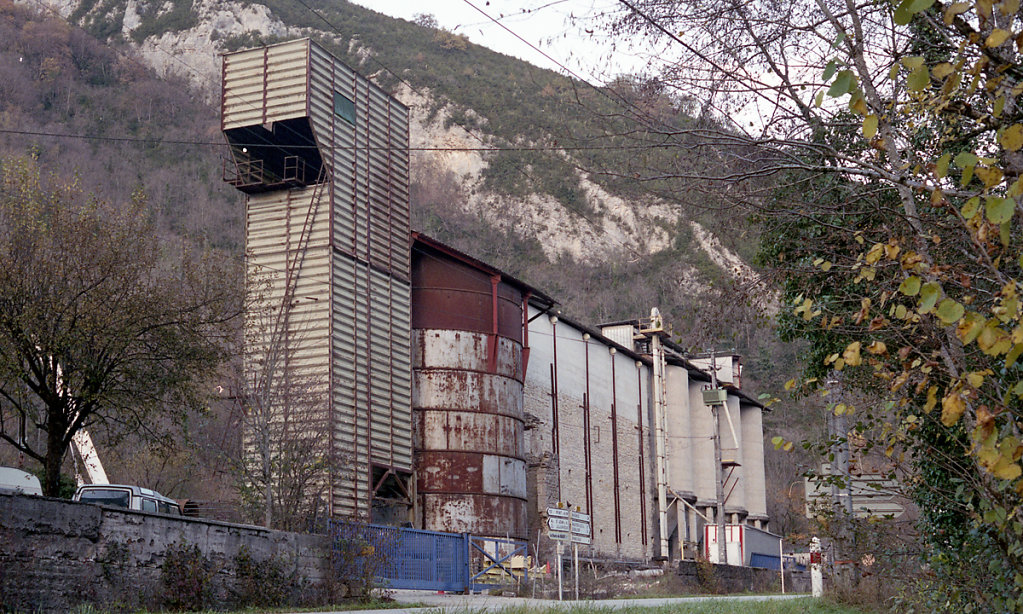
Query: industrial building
[(322, 156), (460, 397)]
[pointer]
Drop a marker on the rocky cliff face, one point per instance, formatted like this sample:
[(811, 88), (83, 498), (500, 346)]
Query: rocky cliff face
[(186, 39)]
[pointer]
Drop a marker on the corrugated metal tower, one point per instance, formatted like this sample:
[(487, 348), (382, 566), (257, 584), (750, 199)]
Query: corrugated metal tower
[(322, 155)]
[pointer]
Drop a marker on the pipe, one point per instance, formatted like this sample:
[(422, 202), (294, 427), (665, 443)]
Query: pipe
[(587, 449), (642, 477), (659, 442), (554, 397), (614, 448), (492, 350), (525, 333)]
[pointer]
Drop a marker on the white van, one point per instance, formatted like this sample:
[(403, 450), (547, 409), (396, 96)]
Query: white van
[(19, 482), (130, 497)]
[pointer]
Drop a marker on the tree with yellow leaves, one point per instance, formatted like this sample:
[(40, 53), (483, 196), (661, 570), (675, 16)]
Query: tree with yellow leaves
[(881, 146)]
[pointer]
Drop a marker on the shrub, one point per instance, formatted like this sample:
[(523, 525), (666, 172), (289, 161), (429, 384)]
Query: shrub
[(358, 557), (705, 576), (266, 583), (186, 578)]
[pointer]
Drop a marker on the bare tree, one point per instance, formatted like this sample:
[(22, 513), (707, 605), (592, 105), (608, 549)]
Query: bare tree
[(287, 460), (100, 324)]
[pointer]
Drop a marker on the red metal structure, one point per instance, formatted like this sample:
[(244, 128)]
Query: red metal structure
[(469, 360)]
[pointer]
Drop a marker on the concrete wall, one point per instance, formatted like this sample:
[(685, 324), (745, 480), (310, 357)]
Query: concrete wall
[(557, 469), (706, 577), (753, 453), (702, 421), (679, 435), (55, 554), (732, 449)]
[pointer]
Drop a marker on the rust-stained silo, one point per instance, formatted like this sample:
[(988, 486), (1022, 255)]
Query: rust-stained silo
[(469, 357)]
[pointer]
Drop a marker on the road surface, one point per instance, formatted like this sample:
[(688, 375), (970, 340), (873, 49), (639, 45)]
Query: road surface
[(448, 603)]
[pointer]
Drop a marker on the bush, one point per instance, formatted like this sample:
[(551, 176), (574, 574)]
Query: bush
[(708, 581), (358, 556), (186, 578), (266, 583)]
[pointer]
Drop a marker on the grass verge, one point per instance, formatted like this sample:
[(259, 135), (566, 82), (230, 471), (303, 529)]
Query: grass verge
[(751, 605)]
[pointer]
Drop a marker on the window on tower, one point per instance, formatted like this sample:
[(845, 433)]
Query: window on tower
[(344, 108)]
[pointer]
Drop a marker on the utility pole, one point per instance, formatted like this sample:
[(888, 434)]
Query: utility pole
[(719, 486), (842, 497)]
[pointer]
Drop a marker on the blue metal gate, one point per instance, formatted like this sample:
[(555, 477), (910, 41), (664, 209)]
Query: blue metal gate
[(424, 560)]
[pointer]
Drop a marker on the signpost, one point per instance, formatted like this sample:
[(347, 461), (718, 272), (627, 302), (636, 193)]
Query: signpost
[(565, 526)]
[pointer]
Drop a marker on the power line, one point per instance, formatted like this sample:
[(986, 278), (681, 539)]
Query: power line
[(639, 115), (577, 210), (127, 139)]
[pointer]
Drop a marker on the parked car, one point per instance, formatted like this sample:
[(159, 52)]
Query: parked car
[(20, 482), (130, 497)]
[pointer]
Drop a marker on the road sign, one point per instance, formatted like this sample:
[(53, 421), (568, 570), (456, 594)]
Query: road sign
[(559, 524), (872, 495), (566, 525), (878, 508)]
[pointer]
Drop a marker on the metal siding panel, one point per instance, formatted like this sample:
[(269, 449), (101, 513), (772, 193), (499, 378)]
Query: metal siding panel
[(281, 86), (305, 331), (361, 316), (343, 353)]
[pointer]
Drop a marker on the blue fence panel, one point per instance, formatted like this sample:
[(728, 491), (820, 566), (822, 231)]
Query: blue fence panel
[(404, 558), (765, 561)]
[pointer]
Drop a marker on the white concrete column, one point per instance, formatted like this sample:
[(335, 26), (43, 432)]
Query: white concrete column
[(753, 461)]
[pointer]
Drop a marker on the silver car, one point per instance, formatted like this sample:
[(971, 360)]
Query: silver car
[(130, 497)]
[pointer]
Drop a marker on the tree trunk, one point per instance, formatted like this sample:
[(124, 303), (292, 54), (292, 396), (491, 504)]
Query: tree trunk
[(55, 450)]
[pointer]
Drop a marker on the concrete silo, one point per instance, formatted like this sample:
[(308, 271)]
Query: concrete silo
[(470, 354)]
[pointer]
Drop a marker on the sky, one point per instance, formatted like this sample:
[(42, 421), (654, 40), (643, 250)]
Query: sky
[(562, 29)]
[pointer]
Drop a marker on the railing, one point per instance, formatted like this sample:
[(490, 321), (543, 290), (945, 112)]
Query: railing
[(254, 174), (498, 561), (425, 560), (243, 174)]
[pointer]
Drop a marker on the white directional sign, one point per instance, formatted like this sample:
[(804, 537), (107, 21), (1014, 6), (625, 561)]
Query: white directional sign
[(878, 508), (566, 525), (580, 517), (559, 524)]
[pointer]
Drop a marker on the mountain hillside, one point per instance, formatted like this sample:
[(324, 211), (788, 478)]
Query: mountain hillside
[(533, 213)]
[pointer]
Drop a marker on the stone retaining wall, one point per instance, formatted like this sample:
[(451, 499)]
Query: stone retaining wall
[(709, 577), (55, 554)]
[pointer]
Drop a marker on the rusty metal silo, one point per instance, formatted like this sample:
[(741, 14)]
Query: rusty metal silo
[(469, 358)]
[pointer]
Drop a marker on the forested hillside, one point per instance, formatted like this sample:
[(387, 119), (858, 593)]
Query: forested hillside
[(550, 205)]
